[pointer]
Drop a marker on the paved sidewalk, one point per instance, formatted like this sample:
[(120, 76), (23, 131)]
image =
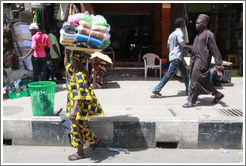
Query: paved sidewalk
[(132, 98)]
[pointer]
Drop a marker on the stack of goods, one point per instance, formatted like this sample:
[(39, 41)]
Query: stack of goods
[(85, 30), (18, 89), (68, 33), (24, 41)]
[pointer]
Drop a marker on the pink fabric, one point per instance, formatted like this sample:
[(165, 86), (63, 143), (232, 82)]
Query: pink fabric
[(74, 19), (39, 41)]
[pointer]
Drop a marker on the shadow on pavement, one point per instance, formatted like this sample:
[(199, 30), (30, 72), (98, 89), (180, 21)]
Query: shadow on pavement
[(112, 85), (128, 132), (99, 154), (206, 101)]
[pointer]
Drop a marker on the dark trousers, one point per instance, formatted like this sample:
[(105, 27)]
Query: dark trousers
[(39, 68), (55, 64)]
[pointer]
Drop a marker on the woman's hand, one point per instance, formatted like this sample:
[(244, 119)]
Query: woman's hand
[(23, 57), (73, 113)]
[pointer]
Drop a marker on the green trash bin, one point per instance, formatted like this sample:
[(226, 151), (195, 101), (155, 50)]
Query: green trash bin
[(42, 95)]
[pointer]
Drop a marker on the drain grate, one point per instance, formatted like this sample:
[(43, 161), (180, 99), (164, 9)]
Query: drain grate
[(7, 141), (231, 112), (167, 145)]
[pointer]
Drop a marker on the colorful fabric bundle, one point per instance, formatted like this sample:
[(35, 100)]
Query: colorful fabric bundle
[(85, 24), (91, 31), (91, 40), (74, 19), (65, 35), (69, 42)]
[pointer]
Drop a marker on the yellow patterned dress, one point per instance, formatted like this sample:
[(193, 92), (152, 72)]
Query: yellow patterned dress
[(89, 107)]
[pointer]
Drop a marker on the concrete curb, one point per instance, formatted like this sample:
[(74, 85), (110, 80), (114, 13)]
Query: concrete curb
[(130, 133)]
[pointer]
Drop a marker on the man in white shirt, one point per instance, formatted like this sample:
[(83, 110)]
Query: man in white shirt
[(176, 45)]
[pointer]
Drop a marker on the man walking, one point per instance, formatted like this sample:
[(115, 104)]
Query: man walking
[(176, 45), (204, 48)]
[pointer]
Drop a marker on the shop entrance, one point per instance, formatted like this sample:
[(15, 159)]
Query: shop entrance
[(132, 34)]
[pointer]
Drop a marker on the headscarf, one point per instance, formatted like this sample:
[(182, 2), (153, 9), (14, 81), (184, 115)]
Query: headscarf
[(79, 57), (204, 17)]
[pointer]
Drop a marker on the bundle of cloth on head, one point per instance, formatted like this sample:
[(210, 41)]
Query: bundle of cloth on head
[(67, 34), (85, 30)]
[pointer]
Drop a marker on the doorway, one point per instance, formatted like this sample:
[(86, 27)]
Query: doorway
[(132, 35)]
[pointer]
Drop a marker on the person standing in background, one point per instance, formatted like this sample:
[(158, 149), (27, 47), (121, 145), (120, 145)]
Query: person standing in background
[(39, 61), (55, 54)]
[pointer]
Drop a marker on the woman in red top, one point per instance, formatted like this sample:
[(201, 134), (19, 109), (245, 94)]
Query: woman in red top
[(39, 41)]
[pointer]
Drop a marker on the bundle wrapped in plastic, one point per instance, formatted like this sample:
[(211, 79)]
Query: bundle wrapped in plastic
[(99, 35), (69, 28), (74, 19), (86, 20), (82, 44), (99, 20), (106, 43), (69, 42), (87, 17), (65, 35), (85, 24), (91, 31), (101, 28), (91, 40)]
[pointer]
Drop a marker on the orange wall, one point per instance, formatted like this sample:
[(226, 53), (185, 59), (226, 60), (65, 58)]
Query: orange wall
[(166, 13)]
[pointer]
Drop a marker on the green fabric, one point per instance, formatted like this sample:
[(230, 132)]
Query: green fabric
[(36, 17), (53, 41)]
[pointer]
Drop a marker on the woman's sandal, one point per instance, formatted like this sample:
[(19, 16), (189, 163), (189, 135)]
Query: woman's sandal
[(95, 145), (75, 156)]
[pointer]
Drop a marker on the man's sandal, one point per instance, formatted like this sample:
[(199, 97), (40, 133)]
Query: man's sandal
[(156, 95), (189, 104), (217, 99)]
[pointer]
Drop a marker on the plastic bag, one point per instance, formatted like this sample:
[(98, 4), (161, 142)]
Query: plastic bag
[(69, 28), (86, 17), (74, 19), (83, 23), (106, 43), (99, 35), (99, 20), (93, 41), (101, 28), (65, 35)]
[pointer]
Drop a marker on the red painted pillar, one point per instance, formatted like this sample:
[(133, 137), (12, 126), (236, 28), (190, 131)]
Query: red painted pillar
[(166, 15)]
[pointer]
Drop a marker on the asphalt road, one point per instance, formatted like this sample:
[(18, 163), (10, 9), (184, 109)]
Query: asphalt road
[(58, 155)]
